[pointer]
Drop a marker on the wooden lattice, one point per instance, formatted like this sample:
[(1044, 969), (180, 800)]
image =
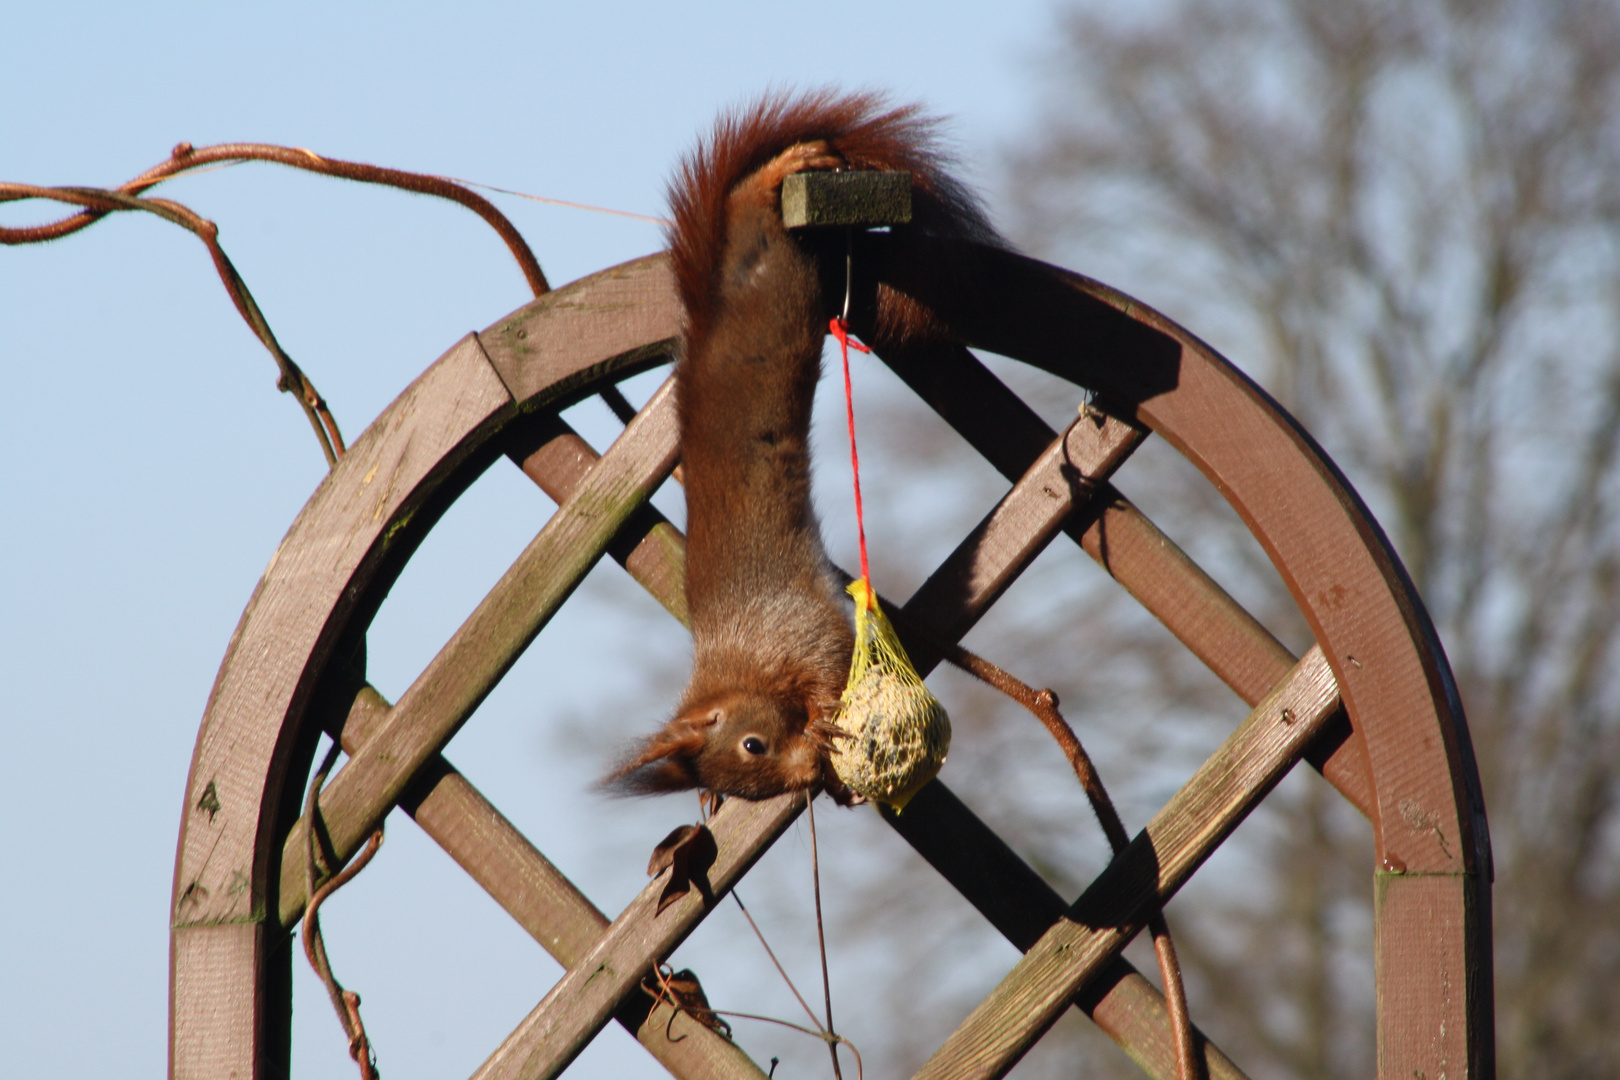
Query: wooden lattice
[(1371, 705)]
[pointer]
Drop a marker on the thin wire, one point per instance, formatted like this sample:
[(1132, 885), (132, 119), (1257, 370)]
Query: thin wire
[(821, 932), (849, 271), (780, 970), (563, 202), (860, 1070)]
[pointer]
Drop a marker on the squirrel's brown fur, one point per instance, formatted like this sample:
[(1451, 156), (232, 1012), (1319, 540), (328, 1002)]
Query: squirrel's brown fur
[(772, 638)]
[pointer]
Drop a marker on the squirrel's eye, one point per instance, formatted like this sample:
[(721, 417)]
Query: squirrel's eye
[(754, 744)]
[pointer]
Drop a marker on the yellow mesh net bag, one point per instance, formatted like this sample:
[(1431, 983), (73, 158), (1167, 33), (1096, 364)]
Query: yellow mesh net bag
[(895, 734)]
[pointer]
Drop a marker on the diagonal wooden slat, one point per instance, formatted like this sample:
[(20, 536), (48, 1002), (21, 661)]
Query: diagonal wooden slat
[(1429, 824), (1018, 902), (1001, 547), (543, 901), (230, 968), (583, 1000), (1142, 877), (1147, 563), (489, 642), (1128, 1007), (557, 459), (1176, 590), (577, 1007)]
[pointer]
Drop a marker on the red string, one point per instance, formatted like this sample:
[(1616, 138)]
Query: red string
[(840, 330)]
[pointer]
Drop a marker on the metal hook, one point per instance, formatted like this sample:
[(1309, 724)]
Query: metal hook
[(849, 270)]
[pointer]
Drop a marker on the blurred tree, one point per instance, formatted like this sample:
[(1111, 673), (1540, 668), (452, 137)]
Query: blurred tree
[(1404, 220)]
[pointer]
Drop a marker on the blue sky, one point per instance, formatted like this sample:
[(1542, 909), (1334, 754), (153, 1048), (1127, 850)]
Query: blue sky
[(151, 467)]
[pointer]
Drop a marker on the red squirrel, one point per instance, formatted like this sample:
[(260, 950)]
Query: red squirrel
[(772, 636)]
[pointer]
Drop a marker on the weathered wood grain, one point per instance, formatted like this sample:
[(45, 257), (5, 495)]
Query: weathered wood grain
[(249, 735), (989, 559), (1213, 626), (863, 199), (301, 592), (214, 992), (1146, 874), (1430, 916), (572, 1013), (1327, 548), (568, 1017), (470, 664), (1409, 744), (627, 316), (496, 855), (556, 458), (344, 547)]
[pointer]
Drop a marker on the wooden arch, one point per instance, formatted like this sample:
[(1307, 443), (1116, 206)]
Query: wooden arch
[(1372, 704)]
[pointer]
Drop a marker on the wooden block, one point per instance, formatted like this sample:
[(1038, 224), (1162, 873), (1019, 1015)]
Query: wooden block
[(862, 199)]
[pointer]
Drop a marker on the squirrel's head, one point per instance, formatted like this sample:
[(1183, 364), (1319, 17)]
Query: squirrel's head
[(751, 745)]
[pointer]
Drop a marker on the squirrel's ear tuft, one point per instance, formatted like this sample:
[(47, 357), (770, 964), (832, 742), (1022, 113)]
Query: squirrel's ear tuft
[(664, 761), (657, 777)]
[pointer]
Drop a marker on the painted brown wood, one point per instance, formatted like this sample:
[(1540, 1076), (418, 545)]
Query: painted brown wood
[(989, 559), (1146, 874), (627, 315), (1372, 629), (1213, 626), (234, 790), (556, 458), (1430, 915), (542, 900), (1018, 902), (1006, 890), (568, 1017), (1397, 689), (375, 504), (1146, 562), (470, 664)]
